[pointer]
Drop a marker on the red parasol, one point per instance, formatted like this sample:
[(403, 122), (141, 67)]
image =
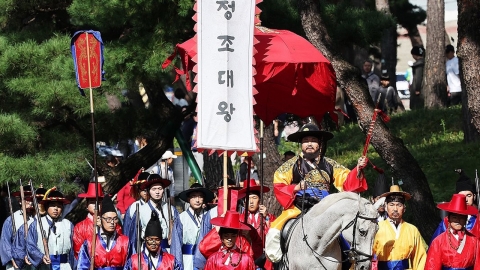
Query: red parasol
[(292, 75)]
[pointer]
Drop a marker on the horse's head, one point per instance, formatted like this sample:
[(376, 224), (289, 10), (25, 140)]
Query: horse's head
[(360, 233)]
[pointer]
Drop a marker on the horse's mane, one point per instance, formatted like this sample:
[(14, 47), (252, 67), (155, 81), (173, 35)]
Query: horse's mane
[(331, 199)]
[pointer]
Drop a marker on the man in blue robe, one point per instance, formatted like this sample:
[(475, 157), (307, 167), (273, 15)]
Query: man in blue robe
[(191, 224)]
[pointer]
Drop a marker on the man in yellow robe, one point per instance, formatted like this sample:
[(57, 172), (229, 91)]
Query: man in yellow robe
[(304, 180), (398, 245)]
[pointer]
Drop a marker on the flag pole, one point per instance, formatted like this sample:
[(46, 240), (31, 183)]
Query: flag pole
[(225, 184), (261, 183), (95, 175), (247, 198)]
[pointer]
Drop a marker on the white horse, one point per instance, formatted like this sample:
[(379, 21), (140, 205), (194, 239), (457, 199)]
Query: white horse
[(314, 243)]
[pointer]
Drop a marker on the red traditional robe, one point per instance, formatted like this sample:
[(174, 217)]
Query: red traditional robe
[(254, 220), (84, 231), (116, 257), (441, 254), (124, 198), (212, 243), (168, 262), (233, 259)]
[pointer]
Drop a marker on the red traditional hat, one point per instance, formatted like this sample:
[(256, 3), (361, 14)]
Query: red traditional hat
[(254, 186), (233, 195), (231, 220), (458, 205), (91, 191)]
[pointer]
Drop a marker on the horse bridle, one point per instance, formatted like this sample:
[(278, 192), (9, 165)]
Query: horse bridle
[(353, 253)]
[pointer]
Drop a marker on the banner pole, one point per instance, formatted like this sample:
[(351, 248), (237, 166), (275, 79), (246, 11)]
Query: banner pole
[(95, 175), (225, 183)]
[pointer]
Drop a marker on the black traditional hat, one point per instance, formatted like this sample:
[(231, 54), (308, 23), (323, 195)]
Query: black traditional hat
[(463, 182), (196, 187), (107, 205), (40, 192), (310, 129), (27, 191), (154, 228), (140, 178), (381, 186), (155, 179), (53, 195)]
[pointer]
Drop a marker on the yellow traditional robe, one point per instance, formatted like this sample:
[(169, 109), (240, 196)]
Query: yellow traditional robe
[(408, 244), (285, 193)]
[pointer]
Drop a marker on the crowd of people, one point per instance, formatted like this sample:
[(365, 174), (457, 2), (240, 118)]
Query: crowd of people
[(384, 95), (236, 233)]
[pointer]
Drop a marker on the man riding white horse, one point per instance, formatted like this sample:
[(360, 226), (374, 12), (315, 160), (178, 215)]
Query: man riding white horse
[(304, 180)]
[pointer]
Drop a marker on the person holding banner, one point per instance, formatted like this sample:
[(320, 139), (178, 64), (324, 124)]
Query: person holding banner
[(13, 232), (192, 223), (304, 180), (112, 248), (152, 256), (58, 235), (257, 211), (84, 229), (155, 186), (230, 256)]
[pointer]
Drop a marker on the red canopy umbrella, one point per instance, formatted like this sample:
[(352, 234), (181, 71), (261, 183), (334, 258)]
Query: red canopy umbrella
[(292, 75)]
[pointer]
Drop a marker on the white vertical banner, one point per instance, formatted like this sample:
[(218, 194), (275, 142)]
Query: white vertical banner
[(225, 75)]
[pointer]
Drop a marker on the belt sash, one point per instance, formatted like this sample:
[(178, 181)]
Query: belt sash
[(56, 260), (393, 265), (188, 249)]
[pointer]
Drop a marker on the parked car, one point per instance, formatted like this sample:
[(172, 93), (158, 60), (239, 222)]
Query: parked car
[(403, 86)]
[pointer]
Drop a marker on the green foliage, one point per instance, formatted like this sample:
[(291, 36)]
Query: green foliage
[(435, 139), (346, 24), (45, 127), (407, 14)]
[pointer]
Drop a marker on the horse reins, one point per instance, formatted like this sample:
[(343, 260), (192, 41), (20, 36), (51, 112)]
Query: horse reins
[(353, 253)]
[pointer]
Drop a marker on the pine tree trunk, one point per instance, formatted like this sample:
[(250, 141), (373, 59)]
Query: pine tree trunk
[(434, 86), (469, 59), (272, 161), (213, 169), (414, 36), (389, 147)]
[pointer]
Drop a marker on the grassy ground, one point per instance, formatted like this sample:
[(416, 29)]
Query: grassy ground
[(434, 137)]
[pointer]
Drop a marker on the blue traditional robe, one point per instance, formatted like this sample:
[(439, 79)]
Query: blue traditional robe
[(442, 227), (59, 236), (9, 242), (130, 217), (187, 233), (145, 215)]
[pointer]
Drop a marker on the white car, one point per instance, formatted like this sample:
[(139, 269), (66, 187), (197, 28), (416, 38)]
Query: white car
[(402, 86)]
